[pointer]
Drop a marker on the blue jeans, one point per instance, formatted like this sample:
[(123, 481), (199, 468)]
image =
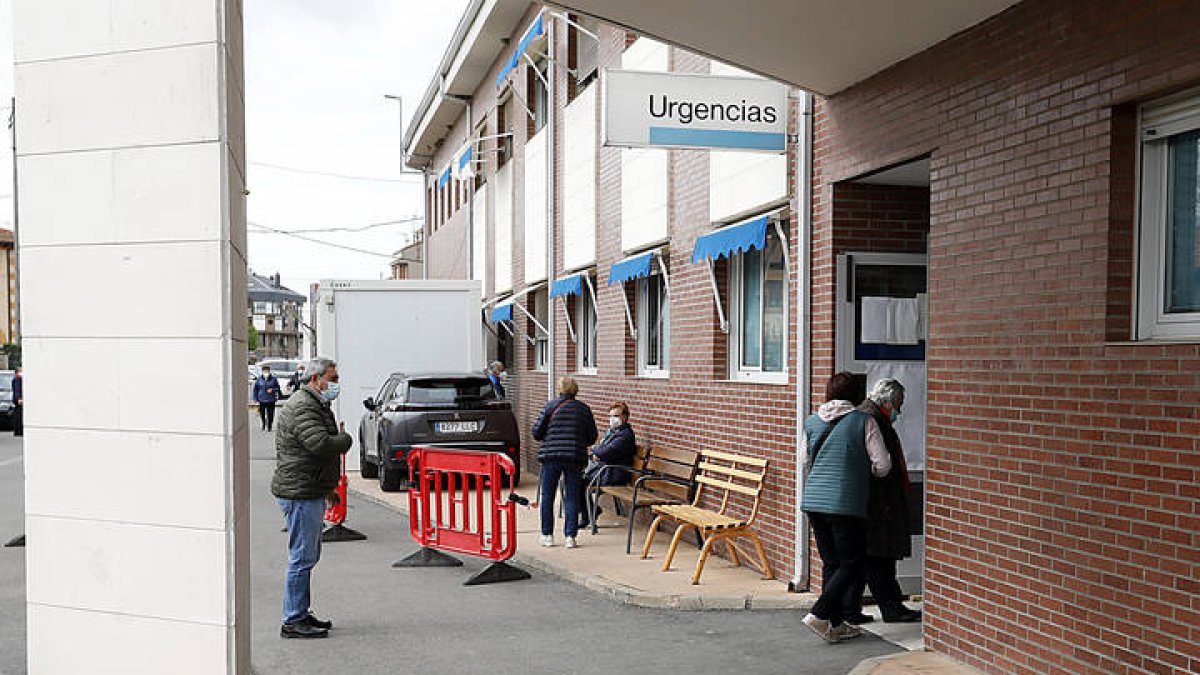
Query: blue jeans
[(304, 520), (573, 482)]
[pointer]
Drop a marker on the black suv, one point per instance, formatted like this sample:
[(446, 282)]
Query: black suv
[(450, 410)]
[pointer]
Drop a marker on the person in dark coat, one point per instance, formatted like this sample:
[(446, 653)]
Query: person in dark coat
[(308, 453), (566, 428), (888, 535), (266, 394), (495, 376), (842, 448), (616, 450), (18, 415)]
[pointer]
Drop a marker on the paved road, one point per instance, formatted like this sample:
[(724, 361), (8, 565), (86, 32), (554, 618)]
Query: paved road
[(12, 560), (425, 621)]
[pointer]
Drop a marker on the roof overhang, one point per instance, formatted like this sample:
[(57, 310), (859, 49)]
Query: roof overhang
[(482, 35), (823, 46)]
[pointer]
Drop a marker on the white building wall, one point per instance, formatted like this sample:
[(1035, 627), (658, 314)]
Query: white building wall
[(740, 182), (579, 181), (536, 215), (502, 234), (644, 171), (131, 154)]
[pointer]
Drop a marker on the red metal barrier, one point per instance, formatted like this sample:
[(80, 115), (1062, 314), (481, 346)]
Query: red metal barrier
[(458, 502), (335, 514)]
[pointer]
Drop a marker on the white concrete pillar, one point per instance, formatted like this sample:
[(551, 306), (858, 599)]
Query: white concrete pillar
[(131, 162)]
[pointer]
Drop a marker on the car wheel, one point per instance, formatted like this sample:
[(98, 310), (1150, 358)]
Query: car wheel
[(390, 480), (365, 466)]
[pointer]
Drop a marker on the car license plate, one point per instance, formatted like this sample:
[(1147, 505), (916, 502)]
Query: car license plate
[(456, 427)]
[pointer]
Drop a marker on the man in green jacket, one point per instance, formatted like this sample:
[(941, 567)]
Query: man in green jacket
[(309, 444)]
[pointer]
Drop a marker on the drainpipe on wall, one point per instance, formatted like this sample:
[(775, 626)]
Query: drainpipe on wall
[(551, 199), (428, 227), (804, 196)]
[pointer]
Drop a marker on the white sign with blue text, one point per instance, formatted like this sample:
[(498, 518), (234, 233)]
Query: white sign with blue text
[(685, 110)]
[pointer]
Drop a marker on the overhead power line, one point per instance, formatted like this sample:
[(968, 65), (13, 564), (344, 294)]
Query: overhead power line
[(363, 228), (334, 174), (321, 242)]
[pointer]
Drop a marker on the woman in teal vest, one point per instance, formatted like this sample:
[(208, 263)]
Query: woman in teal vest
[(843, 448)]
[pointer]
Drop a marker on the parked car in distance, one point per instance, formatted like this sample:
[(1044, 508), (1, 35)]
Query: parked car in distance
[(6, 398), (450, 410), (283, 370)]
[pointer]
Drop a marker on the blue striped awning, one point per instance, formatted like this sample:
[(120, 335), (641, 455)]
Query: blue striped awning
[(631, 268), (465, 159), (502, 313), (572, 285), (738, 238), (445, 178), (527, 39)]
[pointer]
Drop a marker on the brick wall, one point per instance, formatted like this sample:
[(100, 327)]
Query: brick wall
[(697, 406), (1063, 522)]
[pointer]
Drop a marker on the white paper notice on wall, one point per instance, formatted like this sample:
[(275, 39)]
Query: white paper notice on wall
[(911, 426), (874, 329), (903, 321)]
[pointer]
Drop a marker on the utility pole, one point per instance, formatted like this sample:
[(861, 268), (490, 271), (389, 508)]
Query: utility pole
[(15, 330)]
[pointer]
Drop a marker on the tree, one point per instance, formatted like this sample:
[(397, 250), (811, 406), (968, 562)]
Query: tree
[(252, 337)]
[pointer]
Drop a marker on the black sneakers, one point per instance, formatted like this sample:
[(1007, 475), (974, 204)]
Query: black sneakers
[(300, 629), (313, 621)]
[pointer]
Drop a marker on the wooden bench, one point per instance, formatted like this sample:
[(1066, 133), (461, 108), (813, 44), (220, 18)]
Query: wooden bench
[(726, 475), (662, 476)]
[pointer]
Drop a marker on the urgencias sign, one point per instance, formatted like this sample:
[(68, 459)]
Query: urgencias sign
[(681, 110)]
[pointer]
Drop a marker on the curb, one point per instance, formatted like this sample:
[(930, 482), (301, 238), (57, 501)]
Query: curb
[(627, 595)]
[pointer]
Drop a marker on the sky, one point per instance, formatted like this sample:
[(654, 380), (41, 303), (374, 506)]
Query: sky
[(316, 75)]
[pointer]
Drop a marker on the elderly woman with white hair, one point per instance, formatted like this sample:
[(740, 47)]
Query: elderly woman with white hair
[(888, 534)]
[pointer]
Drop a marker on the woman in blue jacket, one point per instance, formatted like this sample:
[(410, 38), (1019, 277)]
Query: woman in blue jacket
[(616, 450), (266, 393), (566, 429)]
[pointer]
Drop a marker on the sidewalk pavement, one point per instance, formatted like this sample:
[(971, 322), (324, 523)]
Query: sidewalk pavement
[(601, 565)]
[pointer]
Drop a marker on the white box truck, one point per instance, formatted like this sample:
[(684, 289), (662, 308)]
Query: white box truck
[(376, 328)]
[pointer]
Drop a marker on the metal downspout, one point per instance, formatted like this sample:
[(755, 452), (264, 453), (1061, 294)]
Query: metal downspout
[(551, 198), (804, 195)]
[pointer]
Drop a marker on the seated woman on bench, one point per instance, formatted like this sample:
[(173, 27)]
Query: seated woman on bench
[(616, 449)]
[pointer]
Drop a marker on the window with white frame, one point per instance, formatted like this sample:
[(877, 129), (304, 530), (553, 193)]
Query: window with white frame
[(585, 332), (1169, 225), (758, 312), (261, 307), (653, 325), (541, 340), (539, 95)]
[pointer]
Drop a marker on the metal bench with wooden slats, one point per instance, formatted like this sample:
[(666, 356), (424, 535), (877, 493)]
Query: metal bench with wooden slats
[(663, 476), (727, 475)]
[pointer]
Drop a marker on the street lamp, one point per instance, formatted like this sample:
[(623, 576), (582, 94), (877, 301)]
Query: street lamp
[(424, 173)]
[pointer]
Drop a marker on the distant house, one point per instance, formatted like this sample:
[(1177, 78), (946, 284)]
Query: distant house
[(407, 263), (9, 330), (274, 311)]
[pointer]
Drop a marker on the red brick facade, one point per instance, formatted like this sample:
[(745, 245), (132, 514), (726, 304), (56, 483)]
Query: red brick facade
[(1063, 507), (1063, 515)]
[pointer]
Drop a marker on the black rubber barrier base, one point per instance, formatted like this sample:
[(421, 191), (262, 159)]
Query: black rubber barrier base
[(335, 533), (15, 541), (428, 557), (497, 572)]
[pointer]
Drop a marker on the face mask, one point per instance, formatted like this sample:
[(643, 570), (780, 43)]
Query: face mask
[(894, 415), (331, 392), (614, 422), (266, 374)]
